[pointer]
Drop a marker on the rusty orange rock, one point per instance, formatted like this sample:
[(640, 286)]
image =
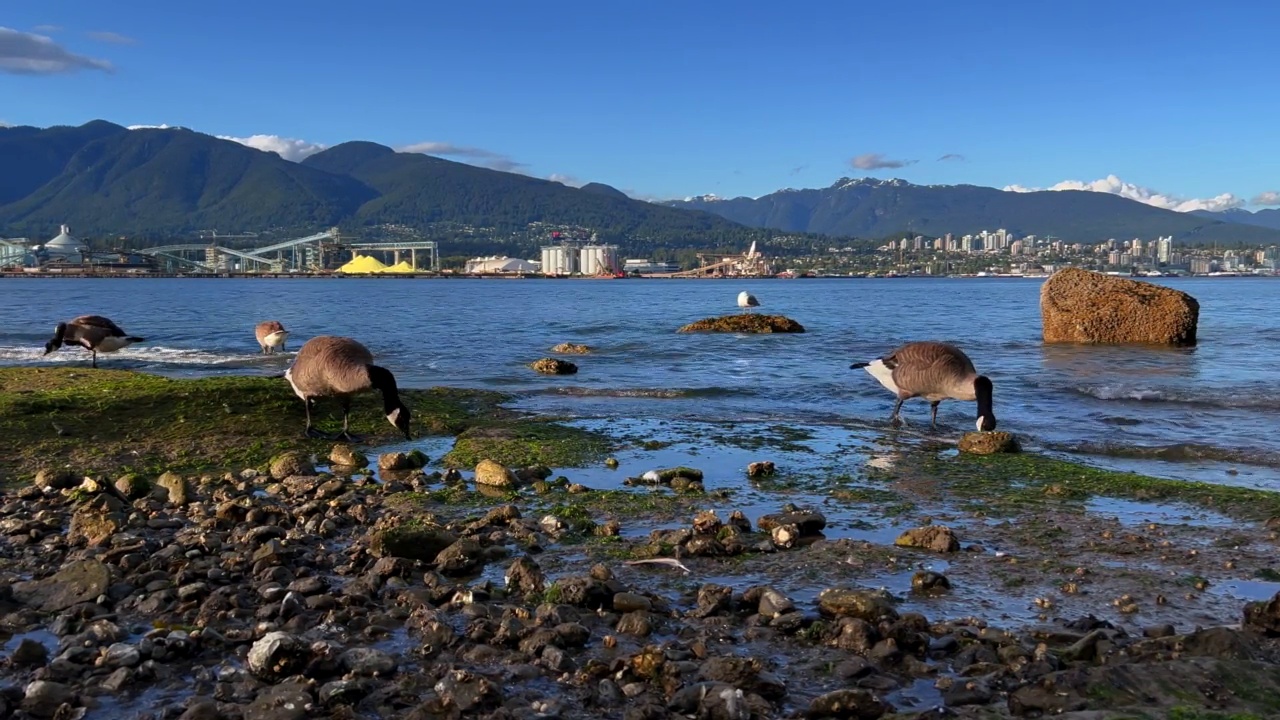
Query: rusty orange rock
[(1083, 306)]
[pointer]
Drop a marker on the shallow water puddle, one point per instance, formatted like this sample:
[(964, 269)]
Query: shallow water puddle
[(1138, 512), (1247, 589), (44, 637)]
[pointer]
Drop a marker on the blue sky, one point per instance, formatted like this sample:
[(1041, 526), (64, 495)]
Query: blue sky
[(668, 99)]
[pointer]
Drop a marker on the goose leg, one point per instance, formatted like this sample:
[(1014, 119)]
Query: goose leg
[(94, 362), (346, 417), (896, 419), (310, 431), (933, 414)]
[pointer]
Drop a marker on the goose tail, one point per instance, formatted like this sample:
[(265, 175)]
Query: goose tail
[(857, 365)]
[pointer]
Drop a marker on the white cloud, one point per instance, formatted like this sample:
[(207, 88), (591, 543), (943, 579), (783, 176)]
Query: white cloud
[(1270, 197), (480, 156), (111, 37), (563, 179), (47, 29), (877, 161), (288, 148), (155, 127), (4, 124), (1113, 185), (23, 53), (952, 156)]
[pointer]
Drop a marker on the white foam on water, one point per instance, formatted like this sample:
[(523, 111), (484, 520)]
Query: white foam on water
[(152, 355)]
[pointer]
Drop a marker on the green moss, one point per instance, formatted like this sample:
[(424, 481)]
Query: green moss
[(521, 443), (1014, 483), (116, 420)]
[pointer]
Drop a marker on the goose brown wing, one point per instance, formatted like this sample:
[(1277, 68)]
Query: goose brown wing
[(267, 327), (97, 322), (928, 367), (329, 365)]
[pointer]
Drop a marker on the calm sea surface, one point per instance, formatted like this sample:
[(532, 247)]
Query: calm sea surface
[(1208, 413)]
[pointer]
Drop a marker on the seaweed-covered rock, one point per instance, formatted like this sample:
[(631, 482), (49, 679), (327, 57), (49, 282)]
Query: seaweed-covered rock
[(869, 605), (938, 538), (554, 366), (571, 349), (1263, 616), (848, 703), (288, 464), (411, 541), (989, 443), (1083, 306), (745, 323), (132, 486), (346, 456)]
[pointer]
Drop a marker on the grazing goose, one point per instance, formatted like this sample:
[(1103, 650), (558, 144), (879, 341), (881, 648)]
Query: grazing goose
[(91, 332), (934, 371), (747, 300), (340, 367), (271, 335)]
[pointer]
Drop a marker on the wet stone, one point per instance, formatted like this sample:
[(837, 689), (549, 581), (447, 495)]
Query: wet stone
[(807, 522), (276, 655), (851, 703), (467, 691), (368, 662), (938, 538), (288, 701), (626, 602), (869, 605), (637, 623), (929, 582), (43, 698), (29, 653)]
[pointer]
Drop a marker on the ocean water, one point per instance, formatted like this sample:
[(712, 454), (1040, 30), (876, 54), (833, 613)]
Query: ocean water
[(1206, 413)]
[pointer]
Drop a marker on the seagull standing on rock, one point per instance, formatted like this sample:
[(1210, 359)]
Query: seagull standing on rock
[(747, 301)]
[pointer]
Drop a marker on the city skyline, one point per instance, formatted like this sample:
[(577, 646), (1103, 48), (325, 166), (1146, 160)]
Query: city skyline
[(665, 104)]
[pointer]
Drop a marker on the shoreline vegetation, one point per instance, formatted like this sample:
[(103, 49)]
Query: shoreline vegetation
[(158, 530)]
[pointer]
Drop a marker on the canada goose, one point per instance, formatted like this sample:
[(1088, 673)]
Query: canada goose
[(91, 332), (340, 367), (747, 300), (934, 371), (271, 335)]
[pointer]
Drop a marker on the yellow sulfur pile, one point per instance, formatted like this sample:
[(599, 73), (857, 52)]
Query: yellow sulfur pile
[(400, 267), (362, 264)]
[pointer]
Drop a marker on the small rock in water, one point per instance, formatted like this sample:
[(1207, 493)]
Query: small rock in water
[(571, 349), (989, 443), (402, 461), (29, 653), (43, 698), (927, 581), (554, 366), (764, 468), (277, 655)]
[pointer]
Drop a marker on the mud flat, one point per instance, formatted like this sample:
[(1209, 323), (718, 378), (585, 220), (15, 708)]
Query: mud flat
[(157, 567)]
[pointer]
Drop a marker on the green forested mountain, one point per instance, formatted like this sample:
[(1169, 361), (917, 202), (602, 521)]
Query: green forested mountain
[(163, 183), (878, 208)]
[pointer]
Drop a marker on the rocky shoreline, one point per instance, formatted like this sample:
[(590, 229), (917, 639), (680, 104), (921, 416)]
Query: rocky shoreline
[(217, 568), (305, 595)]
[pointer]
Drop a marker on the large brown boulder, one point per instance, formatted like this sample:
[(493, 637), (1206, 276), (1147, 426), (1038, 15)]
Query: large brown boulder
[(1082, 306)]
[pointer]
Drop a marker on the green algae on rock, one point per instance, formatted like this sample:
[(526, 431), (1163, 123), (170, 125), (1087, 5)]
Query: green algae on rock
[(989, 443), (745, 323), (522, 443), (554, 366), (571, 349)]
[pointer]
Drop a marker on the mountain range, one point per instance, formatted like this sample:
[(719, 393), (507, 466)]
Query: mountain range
[(159, 184), (875, 208), (1268, 218)]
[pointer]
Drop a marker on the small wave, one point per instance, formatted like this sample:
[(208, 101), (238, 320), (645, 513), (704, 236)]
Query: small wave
[(663, 393), (1177, 452), (138, 355), (1239, 397)]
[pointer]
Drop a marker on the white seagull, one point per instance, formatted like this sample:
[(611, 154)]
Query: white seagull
[(746, 300)]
